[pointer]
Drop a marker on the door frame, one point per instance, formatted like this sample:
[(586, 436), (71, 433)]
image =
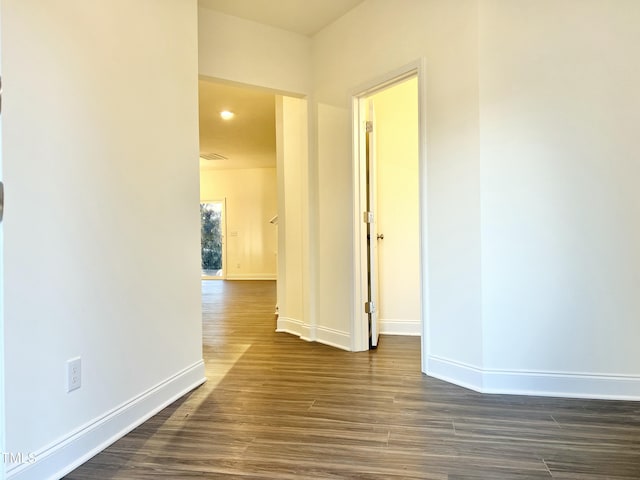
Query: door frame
[(359, 97)]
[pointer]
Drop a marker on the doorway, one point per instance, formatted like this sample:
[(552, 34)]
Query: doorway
[(238, 181), (388, 178), (255, 157), (213, 240)]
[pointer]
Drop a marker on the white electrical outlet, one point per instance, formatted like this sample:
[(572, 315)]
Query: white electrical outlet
[(74, 374)]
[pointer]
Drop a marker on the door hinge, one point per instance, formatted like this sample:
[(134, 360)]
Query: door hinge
[(369, 307), (368, 126), (367, 217)]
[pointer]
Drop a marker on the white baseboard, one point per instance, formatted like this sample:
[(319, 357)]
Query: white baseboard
[(561, 384), (536, 383), (293, 326), (63, 456), (400, 327), (333, 338), (252, 276), (458, 373), (311, 333)]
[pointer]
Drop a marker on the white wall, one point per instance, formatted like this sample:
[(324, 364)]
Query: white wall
[(559, 109), (407, 30), (397, 210), (334, 298), (254, 54), (292, 160), (100, 149), (251, 201)]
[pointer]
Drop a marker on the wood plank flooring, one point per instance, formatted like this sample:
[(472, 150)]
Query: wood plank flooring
[(276, 407)]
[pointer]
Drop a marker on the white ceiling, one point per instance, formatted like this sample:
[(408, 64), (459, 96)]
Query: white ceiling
[(248, 140), (306, 17)]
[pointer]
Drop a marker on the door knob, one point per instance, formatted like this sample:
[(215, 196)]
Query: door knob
[(380, 236)]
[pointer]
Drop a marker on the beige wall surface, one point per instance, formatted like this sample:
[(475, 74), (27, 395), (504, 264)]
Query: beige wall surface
[(251, 201)]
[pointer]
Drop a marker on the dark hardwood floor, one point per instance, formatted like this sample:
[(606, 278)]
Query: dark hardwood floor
[(276, 407)]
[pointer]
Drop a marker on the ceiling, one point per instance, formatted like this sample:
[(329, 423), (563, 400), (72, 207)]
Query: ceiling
[(248, 140), (306, 17)]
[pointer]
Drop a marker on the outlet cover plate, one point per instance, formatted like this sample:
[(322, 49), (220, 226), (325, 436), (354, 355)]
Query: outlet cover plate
[(74, 374)]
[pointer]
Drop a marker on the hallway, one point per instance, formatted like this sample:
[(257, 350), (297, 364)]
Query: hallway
[(275, 407)]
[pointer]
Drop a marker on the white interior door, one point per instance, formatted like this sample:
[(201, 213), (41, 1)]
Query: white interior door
[(372, 230)]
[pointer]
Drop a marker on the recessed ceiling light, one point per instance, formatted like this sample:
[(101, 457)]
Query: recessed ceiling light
[(226, 115)]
